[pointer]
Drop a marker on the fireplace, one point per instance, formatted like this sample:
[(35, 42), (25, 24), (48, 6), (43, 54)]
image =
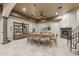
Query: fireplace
[(64, 32)]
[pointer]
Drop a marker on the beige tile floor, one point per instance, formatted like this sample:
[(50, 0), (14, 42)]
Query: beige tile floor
[(22, 48)]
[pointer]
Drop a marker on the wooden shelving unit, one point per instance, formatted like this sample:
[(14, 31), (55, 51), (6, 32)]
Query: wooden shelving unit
[(20, 30), (25, 28)]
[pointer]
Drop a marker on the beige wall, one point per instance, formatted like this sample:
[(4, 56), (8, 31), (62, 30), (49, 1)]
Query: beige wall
[(10, 25), (1, 28)]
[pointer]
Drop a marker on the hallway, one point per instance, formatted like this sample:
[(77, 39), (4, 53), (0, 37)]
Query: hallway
[(22, 48)]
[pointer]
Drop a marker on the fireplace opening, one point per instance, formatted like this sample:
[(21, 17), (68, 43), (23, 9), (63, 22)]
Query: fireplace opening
[(65, 32)]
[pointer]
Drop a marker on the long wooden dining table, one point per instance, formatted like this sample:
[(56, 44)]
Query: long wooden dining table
[(43, 39)]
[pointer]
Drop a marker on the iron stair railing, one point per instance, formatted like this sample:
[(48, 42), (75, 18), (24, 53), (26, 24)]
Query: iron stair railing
[(73, 38)]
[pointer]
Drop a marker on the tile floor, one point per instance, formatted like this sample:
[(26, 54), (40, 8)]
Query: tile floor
[(22, 48)]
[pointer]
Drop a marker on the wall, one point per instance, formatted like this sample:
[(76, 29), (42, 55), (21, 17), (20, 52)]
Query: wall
[(78, 17), (10, 25), (1, 29), (70, 19), (53, 25)]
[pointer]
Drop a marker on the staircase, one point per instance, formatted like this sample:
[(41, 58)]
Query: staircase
[(73, 38)]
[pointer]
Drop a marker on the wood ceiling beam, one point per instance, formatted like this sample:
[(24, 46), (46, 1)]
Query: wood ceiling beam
[(1, 8), (7, 8), (27, 16), (35, 20), (49, 19)]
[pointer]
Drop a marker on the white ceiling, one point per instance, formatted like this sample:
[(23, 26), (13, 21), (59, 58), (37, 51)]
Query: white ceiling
[(49, 9)]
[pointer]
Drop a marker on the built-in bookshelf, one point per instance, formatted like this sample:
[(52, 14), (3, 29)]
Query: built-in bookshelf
[(20, 30), (25, 28)]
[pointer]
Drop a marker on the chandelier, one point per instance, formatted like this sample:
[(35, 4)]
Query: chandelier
[(41, 13), (42, 16)]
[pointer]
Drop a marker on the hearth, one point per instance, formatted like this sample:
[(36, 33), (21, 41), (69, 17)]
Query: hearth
[(65, 32)]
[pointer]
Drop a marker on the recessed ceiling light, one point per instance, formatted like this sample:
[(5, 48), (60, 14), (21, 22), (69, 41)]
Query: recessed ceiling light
[(59, 7), (34, 5), (24, 9), (56, 13)]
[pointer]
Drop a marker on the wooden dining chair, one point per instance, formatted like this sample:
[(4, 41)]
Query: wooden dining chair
[(54, 38)]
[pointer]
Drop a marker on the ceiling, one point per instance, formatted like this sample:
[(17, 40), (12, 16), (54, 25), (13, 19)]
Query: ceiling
[(49, 9)]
